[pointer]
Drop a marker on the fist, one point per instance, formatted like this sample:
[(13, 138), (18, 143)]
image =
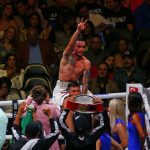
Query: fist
[(22, 108), (47, 112)]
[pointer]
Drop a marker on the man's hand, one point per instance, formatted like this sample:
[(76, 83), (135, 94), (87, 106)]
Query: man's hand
[(21, 108), (97, 100), (47, 112), (84, 90), (71, 98), (82, 25)]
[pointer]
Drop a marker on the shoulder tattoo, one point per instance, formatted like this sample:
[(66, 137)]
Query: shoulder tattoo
[(71, 60)]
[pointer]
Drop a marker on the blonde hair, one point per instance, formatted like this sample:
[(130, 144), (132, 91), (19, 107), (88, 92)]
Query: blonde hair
[(116, 110)]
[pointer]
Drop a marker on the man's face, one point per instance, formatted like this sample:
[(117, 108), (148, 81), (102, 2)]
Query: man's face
[(111, 4), (74, 91), (11, 33), (21, 8), (8, 10), (32, 36), (34, 20), (84, 13), (122, 45), (102, 70), (11, 62), (95, 44), (79, 48), (129, 62), (110, 61), (3, 91)]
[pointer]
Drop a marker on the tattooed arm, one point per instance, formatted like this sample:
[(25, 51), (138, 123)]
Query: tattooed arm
[(86, 75)]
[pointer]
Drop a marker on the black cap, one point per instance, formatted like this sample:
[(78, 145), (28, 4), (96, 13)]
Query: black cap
[(129, 54), (81, 124)]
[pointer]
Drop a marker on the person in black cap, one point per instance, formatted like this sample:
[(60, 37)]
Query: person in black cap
[(130, 73), (81, 138)]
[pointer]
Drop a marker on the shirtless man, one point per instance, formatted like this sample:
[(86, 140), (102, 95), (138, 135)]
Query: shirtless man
[(73, 65)]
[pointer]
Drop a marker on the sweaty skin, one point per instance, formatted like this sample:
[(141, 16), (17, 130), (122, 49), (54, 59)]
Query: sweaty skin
[(73, 64)]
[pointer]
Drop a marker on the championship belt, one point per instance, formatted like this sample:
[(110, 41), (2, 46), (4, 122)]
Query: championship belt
[(84, 104)]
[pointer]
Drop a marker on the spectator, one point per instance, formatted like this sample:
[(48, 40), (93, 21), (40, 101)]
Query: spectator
[(120, 16), (13, 71), (40, 99), (65, 31), (34, 20), (89, 32), (102, 84), (132, 4), (142, 19), (122, 46), (136, 122), (6, 18), (5, 85), (117, 122), (3, 127), (82, 10), (95, 54), (21, 16), (129, 73), (42, 48), (109, 60), (34, 133), (8, 43)]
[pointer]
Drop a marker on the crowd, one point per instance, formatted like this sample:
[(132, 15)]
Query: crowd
[(85, 47)]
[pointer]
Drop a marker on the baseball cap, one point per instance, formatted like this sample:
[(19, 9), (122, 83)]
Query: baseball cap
[(81, 124), (129, 54)]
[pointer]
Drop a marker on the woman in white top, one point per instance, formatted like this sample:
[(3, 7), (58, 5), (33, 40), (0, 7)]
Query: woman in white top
[(13, 71)]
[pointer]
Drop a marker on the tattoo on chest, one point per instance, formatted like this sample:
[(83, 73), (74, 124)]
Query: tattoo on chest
[(71, 60)]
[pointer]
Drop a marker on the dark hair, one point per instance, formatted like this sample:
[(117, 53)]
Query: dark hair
[(81, 125), (18, 69), (7, 81), (101, 63), (39, 93), (21, 2), (72, 84), (80, 6), (135, 102), (14, 41), (8, 4), (110, 54), (39, 26), (33, 129), (97, 36), (81, 37), (67, 14)]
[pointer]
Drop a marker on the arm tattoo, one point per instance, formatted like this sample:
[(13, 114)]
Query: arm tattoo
[(71, 60)]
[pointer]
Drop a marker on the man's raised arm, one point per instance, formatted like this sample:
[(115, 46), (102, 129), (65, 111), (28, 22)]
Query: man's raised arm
[(80, 27)]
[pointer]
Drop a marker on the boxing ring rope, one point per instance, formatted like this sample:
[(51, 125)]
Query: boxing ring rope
[(102, 96)]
